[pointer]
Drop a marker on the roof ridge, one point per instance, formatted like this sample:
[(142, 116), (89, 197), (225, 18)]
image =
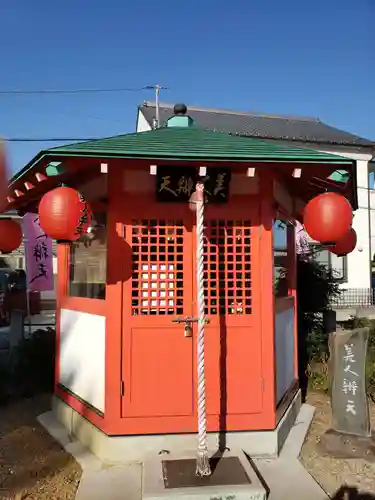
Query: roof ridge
[(152, 104)]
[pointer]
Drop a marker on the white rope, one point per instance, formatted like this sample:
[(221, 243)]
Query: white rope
[(203, 462)]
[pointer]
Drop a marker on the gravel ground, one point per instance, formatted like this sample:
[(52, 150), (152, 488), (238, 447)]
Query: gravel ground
[(332, 473), (32, 465)]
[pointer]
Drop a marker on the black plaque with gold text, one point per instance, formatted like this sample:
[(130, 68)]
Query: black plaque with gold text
[(177, 184)]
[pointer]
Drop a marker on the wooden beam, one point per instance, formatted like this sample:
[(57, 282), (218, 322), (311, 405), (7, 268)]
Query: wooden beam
[(40, 177), (28, 186)]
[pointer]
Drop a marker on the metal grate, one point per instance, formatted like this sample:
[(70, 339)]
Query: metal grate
[(227, 267), (227, 471), (157, 277)]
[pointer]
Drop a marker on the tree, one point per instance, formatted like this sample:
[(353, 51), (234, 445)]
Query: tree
[(316, 286)]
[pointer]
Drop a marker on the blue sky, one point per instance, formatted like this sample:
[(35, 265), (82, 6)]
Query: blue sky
[(289, 57)]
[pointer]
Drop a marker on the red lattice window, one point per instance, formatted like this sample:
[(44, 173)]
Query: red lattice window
[(157, 278), (227, 267)]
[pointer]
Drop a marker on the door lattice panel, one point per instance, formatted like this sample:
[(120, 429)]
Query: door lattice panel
[(227, 267), (157, 276)]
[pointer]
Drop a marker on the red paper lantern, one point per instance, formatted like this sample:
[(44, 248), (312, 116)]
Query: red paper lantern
[(64, 214), (10, 235), (328, 217), (345, 245)]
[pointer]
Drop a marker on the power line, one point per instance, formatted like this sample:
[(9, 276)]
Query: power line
[(155, 87), (80, 91), (67, 91), (88, 117)]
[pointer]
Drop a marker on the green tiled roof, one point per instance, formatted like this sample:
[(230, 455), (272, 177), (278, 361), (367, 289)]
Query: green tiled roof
[(179, 143), (185, 143)]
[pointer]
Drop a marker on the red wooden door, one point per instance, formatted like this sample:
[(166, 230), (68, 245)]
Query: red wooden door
[(157, 358), (232, 289)]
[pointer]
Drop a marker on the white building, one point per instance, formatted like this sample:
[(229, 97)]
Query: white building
[(353, 271)]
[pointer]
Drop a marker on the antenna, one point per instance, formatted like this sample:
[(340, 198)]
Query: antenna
[(157, 89)]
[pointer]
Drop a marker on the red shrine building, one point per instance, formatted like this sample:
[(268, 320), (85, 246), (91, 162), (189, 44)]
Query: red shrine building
[(125, 367)]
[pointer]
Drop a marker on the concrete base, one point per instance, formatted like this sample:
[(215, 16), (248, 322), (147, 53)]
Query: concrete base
[(125, 449), (154, 483), (125, 482)]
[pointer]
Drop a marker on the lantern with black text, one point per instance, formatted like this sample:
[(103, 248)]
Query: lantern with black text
[(10, 235), (327, 218), (345, 245), (64, 214)]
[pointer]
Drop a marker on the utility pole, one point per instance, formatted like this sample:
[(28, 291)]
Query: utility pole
[(157, 89), (157, 110)]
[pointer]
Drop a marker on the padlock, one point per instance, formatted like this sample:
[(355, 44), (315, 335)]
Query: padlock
[(188, 331)]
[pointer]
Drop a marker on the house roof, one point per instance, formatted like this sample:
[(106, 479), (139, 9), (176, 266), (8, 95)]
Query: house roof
[(189, 144), (261, 125)]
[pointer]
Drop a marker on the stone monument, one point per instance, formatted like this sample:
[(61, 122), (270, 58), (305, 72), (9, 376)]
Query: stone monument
[(350, 433)]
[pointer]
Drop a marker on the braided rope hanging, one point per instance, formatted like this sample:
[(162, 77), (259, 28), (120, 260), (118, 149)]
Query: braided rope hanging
[(203, 462)]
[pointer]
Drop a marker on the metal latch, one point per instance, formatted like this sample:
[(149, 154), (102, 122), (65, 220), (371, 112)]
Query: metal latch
[(188, 329)]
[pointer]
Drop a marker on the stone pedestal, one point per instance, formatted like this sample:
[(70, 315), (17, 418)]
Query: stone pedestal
[(345, 446), (350, 409), (350, 435)]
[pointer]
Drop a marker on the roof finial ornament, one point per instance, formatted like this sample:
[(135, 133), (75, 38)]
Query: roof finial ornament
[(180, 109), (180, 118)]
